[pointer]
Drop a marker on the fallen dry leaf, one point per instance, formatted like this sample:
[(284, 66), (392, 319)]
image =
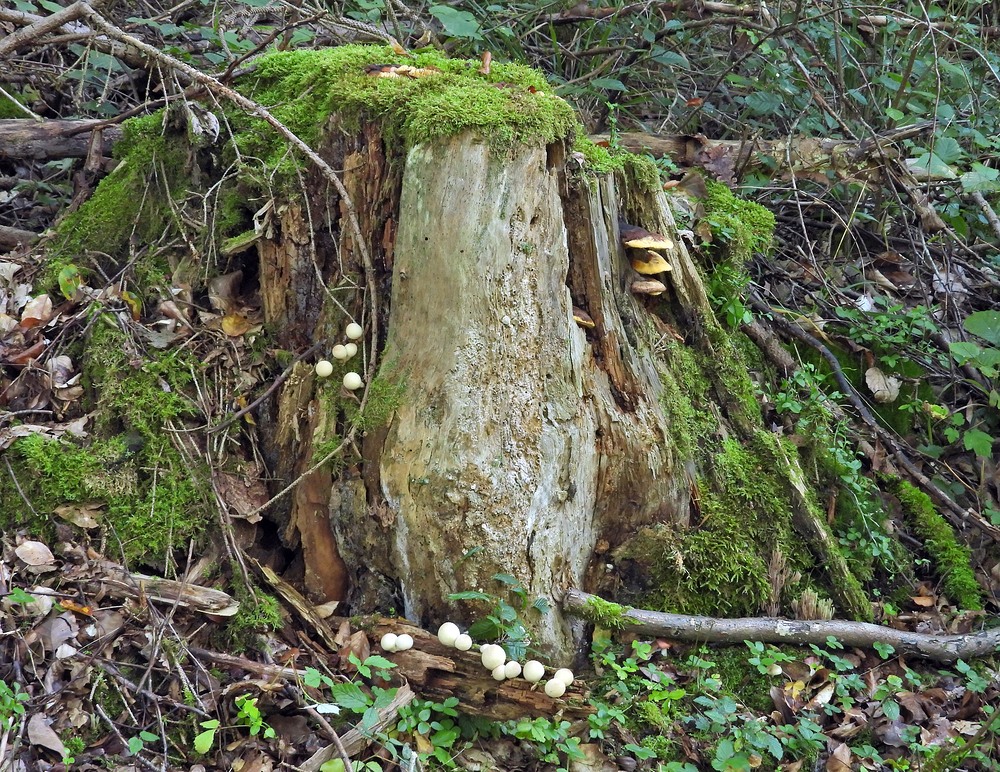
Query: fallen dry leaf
[(34, 554), (40, 733), (884, 388)]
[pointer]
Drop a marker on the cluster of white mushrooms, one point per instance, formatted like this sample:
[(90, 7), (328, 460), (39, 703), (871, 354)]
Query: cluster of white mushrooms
[(495, 660), (324, 367)]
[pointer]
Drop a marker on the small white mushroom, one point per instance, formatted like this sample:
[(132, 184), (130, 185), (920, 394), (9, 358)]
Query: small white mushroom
[(351, 349), (352, 381), (354, 331), (324, 368), (339, 352), (448, 632), (563, 674), (533, 671), (512, 669), (493, 657), (555, 688), (463, 642), (499, 673), (388, 642), (404, 642)]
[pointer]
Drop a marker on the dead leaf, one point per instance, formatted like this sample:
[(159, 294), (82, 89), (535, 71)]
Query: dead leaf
[(922, 600), (82, 516), (235, 325), (884, 388), (37, 311), (222, 291), (487, 58), (35, 554), (840, 759), (40, 733)]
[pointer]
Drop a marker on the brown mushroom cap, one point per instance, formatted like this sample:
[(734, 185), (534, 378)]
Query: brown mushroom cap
[(582, 318), (652, 264), (648, 287), (639, 238)]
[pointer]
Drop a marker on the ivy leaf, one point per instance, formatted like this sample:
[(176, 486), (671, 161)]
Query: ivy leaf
[(978, 442), (456, 23)]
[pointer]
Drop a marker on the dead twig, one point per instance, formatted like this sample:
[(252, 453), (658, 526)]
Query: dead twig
[(940, 648)]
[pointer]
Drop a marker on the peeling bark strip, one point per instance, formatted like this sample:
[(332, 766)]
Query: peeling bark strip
[(940, 648)]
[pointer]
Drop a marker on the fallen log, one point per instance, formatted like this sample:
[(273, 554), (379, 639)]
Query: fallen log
[(25, 138), (802, 156), (940, 648)]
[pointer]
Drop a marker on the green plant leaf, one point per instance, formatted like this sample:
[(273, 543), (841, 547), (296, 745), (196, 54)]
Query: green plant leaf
[(978, 442), (948, 150), (203, 741), (70, 281), (469, 595), (611, 84), (985, 324), (456, 23), (763, 102), (350, 696)]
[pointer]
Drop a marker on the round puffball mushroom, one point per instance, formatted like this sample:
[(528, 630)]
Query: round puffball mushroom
[(351, 349), (533, 671), (499, 673), (563, 674), (388, 642), (354, 331), (404, 642), (339, 352), (352, 381), (324, 368), (448, 632), (555, 688), (493, 657), (512, 669), (463, 642)]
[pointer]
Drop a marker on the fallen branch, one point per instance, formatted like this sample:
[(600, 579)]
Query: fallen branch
[(940, 648), (12, 238), (25, 138), (799, 155)]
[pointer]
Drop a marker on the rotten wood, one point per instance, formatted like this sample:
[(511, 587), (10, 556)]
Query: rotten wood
[(120, 583), (437, 672), (940, 648), (25, 138)]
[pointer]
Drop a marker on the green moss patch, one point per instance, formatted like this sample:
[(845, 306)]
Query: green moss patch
[(952, 560), (746, 227), (513, 104), (129, 202), (718, 567)]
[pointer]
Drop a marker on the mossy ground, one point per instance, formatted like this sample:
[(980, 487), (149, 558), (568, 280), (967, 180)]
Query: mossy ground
[(148, 497)]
